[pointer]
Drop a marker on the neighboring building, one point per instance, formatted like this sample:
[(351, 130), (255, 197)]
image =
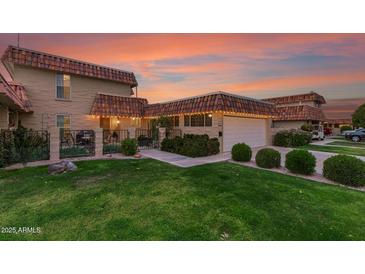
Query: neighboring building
[(336, 124), (72, 94), (295, 110)]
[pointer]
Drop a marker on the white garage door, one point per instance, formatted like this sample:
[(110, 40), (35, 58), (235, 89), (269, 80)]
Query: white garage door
[(243, 130)]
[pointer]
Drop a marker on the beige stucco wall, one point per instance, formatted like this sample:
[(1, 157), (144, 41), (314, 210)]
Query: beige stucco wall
[(4, 117), (288, 124), (40, 86)]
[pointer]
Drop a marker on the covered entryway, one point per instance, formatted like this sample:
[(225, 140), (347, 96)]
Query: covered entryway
[(243, 130)]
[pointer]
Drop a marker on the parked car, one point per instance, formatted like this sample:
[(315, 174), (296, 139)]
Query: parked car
[(356, 136), (318, 133), (347, 132)]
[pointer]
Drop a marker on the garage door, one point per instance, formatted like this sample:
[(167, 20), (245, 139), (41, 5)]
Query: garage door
[(243, 130)]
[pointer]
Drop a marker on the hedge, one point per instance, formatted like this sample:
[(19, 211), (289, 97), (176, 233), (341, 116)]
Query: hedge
[(301, 162), (192, 145), (241, 152), (268, 158), (292, 138), (344, 169)]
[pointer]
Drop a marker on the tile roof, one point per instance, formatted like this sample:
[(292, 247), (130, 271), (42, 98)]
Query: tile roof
[(299, 98), (299, 113), (14, 95), (112, 105), (216, 101), (44, 60)]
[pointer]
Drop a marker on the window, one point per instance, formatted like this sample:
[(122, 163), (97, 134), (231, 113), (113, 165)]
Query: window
[(186, 120), (136, 122), (208, 120), (63, 86), (63, 121), (197, 120)]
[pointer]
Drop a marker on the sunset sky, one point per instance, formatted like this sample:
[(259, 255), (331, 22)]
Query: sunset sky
[(172, 66)]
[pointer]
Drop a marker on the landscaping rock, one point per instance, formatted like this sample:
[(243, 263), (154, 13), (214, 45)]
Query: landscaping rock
[(63, 166)]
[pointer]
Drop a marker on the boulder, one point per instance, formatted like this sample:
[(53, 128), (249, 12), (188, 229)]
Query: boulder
[(60, 167)]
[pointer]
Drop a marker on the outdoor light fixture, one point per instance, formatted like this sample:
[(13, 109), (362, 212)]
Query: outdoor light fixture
[(118, 121), (210, 115)]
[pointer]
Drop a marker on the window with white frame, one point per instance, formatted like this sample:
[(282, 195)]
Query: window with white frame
[(63, 86), (63, 121)]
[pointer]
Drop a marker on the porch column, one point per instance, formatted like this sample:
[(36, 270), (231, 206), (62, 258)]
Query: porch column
[(98, 142), (161, 134), (132, 132), (54, 143)]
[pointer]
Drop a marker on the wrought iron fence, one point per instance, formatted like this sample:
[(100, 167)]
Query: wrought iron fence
[(76, 143), (174, 132), (112, 140), (147, 138), (23, 145)]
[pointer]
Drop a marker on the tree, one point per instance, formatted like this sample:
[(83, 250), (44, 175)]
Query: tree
[(358, 118)]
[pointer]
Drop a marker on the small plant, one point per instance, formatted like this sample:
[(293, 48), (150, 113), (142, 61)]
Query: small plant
[(241, 152), (344, 128), (129, 147), (301, 162), (76, 151), (268, 158), (347, 170), (168, 145)]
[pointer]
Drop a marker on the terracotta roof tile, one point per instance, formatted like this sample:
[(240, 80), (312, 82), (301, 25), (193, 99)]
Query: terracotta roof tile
[(43, 60), (110, 105), (299, 98), (339, 121), (15, 95), (218, 101), (299, 113)]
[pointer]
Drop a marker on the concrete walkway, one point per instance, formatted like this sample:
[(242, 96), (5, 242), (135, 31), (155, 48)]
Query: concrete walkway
[(184, 161)]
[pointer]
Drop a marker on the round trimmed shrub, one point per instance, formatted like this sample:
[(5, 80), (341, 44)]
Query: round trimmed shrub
[(344, 169), (129, 147), (292, 138), (301, 162), (241, 152), (268, 158)]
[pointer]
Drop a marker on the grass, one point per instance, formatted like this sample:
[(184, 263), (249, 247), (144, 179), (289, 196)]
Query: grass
[(340, 150), (150, 200), (347, 143)]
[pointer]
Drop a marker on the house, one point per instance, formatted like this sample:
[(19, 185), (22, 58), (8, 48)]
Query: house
[(295, 110), (55, 91), (336, 124)]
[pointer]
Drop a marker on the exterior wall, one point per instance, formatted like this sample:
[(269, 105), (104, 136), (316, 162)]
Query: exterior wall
[(288, 124), (40, 85), (4, 117)]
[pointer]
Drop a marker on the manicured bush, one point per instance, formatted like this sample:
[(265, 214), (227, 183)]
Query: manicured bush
[(292, 138), (268, 158), (76, 151), (241, 152), (129, 147), (112, 148), (301, 162), (344, 169), (2, 161), (344, 128), (191, 145), (213, 146)]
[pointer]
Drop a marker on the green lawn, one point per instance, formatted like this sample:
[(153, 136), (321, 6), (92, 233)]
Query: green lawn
[(340, 150), (347, 143), (150, 200)]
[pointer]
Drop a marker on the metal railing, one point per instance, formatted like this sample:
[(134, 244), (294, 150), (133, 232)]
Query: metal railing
[(24, 145), (147, 138), (76, 143), (112, 140)]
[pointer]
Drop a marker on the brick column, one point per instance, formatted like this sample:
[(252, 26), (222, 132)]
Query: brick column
[(98, 142), (161, 134), (54, 143), (132, 132)]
